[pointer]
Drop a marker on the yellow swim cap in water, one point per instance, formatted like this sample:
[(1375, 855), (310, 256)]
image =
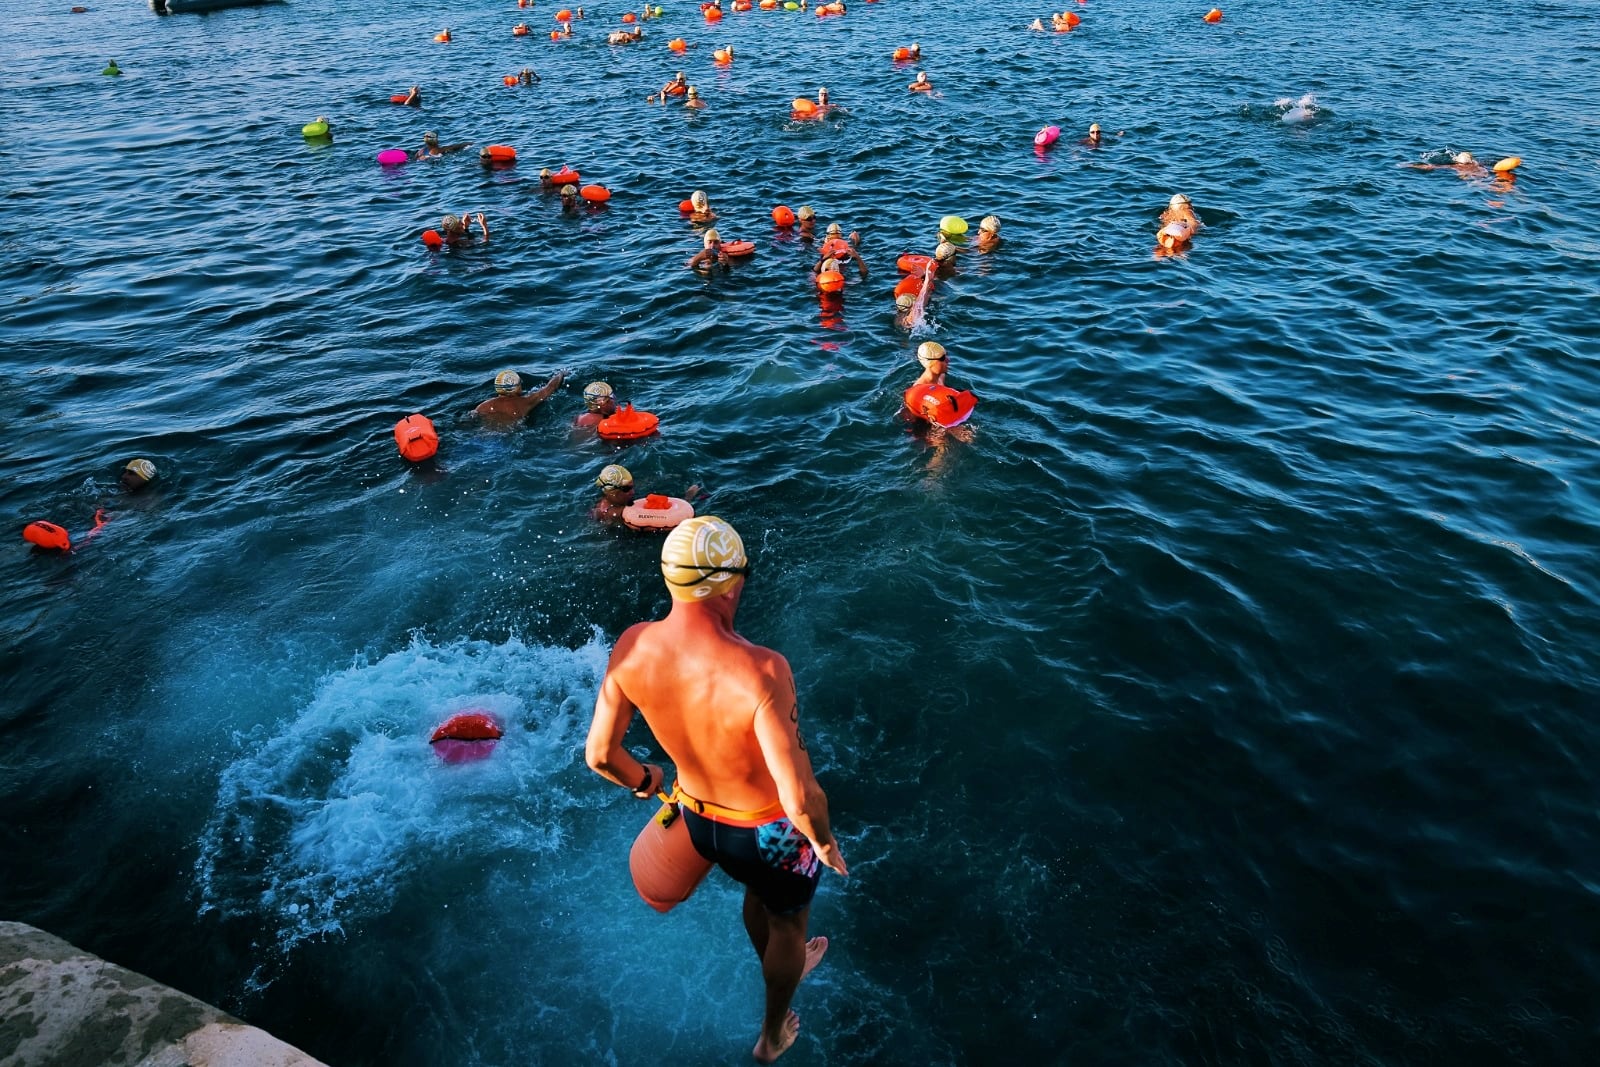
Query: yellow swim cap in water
[(595, 394), (614, 476), (905, 301), (712, 237), (143, 468), (507, 382), (806, 212), (703, 557), (835, 230), (931, 352), (569, 190)]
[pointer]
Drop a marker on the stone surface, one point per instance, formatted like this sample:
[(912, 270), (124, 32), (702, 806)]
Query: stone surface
[(61, 1007)]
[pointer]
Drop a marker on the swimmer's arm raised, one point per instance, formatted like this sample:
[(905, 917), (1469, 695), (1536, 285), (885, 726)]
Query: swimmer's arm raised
[(603, 751), (777, 728)]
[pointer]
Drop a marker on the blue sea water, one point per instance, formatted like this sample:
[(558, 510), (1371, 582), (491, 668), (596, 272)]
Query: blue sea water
[(1226, 695)]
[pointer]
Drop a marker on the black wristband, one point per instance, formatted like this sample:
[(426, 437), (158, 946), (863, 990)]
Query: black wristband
[(642, 791)]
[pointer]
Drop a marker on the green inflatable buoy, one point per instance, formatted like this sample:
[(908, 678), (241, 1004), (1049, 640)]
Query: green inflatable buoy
[(317, 131), (790, 5), (111, 68)]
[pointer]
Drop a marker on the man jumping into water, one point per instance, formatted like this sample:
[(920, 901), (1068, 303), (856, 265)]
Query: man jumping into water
[(726, 713)]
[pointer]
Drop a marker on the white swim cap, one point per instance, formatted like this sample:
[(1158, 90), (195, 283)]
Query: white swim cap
[(712, 237), (596, 394), (806, 212), (698, 199), (693, 91), (829, 264), (1464, 157), (1178, 200), (834, 230), (1094, 127), (614, 476), (905, 301), (931, 352), (945, 251), (507, 382), (990, 223), (703, 557), (569, 190)]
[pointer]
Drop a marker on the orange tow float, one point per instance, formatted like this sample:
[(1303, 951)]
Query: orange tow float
[(416, 438), (628, 424)]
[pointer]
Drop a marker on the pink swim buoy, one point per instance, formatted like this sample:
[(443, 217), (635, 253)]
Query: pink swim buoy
[(1046, 136), (392, 157), (466, 736)]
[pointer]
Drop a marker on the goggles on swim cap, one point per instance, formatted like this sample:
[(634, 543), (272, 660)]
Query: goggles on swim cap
[(834, 229), (507, 381), (615, 476), (905, 301), (545, 173), (931, 352), (143, 468), (946, 250), (1178, 199), (430, 138), (703, 557), (596, 393), (694, 92)]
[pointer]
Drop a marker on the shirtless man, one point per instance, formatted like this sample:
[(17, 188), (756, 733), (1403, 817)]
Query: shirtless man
[(725, 712), (599, 402), (509, 404)]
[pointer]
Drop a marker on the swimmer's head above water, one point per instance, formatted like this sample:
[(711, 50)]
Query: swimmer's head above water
[(712, 238), (508, 383), (137, 474), (806, 213), (699, 199), (615, 478), (597, 396), (1178, 200), (905, 302), (945, 252), (703, 557), (1463, 159), (990, 224), (931, 352)]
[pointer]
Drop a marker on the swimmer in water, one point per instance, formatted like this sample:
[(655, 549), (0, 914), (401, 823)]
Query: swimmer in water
[(922, 84), (1179, 224), (836, 247), (569, 199), (112, 70), (944, 258), (413, 98), (1037, 25), (1462, 163), (692, 99), (678, 86), (137, 474), (935, 362), (903, 306), (527, 76), (616, 493), (807, 218), (711, 256), (700, 206), (599, 402), (988, 234), (822, 100), (1093, 140), (725, 712), (625, 36), (509, 404), (432, 149), (453, 228)]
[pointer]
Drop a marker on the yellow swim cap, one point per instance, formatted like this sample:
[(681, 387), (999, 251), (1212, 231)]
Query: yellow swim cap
[(595, 394), (451, 223), (614, 476), (806, 212), (569, 190), (712, 237), (1094, 127), (703, 557), (698, 199), (507, 382), (905, 301), (545, 173), (931, 352), (143, 468), (695, 93), (835, 230)]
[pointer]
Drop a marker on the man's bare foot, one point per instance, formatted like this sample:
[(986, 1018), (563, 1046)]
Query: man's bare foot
[(767, 1052), (814, 950)]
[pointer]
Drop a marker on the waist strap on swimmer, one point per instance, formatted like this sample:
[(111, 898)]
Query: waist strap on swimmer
[(718, 813)]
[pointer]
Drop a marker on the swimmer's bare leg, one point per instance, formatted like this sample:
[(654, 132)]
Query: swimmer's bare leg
[(755, 925), (783, 964)]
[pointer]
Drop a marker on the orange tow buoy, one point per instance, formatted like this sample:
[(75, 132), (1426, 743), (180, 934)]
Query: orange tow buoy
[(665, 866), (782, 216), (509, 79), (443, 37), (685, 206), (47, 535), (416, 438), (1214, 15), (830, 281), (433, 238), (595, 194), (466, 736), (678, 44), (630, 17), (628, 424), (564, 15), (501, 153)]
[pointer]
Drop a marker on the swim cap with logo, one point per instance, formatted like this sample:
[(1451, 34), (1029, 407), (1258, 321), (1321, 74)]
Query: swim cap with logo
[(703, 557), (507, 382), (143, 468), (905, 301), (614, 476), (595, 394), (698, 199), (930, 352), (945, 251)]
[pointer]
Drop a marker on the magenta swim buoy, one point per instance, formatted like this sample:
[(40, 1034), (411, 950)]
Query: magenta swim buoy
[(466, 736), (1047, 136), (393, 157)]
